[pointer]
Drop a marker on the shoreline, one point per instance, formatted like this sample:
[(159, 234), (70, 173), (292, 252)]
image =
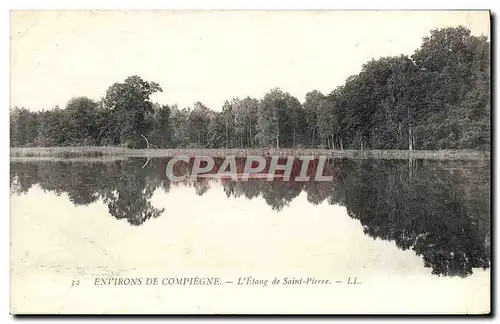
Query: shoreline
[(115, 153)]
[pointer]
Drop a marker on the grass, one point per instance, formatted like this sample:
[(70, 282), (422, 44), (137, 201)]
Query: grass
[(66, 152), (121, 152)]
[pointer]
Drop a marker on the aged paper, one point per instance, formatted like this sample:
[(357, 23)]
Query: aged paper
[(250, 162)]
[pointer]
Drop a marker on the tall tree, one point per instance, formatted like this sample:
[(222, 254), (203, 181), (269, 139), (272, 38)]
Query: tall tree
[(130, 102), (81, 121), (198, 120), (311, 105)]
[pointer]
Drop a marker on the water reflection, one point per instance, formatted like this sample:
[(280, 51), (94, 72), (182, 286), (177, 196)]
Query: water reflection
[(440, 210)]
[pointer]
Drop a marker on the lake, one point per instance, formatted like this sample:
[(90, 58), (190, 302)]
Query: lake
[(415, 234)]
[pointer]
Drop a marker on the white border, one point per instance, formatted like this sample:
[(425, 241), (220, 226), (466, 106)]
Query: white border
[(249, 4), (6, 6)]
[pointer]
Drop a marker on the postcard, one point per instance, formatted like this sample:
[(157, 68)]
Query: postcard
[(250, 162)]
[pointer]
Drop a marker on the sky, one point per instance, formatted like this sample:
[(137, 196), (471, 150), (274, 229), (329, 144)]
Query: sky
[(208, 56)]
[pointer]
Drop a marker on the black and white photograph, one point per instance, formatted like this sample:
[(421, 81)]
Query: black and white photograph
[(213, 162)]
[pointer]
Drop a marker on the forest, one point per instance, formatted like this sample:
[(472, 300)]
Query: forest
[(437, 98)]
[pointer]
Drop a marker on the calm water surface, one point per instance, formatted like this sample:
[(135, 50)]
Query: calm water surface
[(426, 220)]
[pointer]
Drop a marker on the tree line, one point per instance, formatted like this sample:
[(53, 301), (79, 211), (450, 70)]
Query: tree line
[(437, 98)]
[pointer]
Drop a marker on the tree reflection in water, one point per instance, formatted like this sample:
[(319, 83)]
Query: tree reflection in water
[(439, 209)]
